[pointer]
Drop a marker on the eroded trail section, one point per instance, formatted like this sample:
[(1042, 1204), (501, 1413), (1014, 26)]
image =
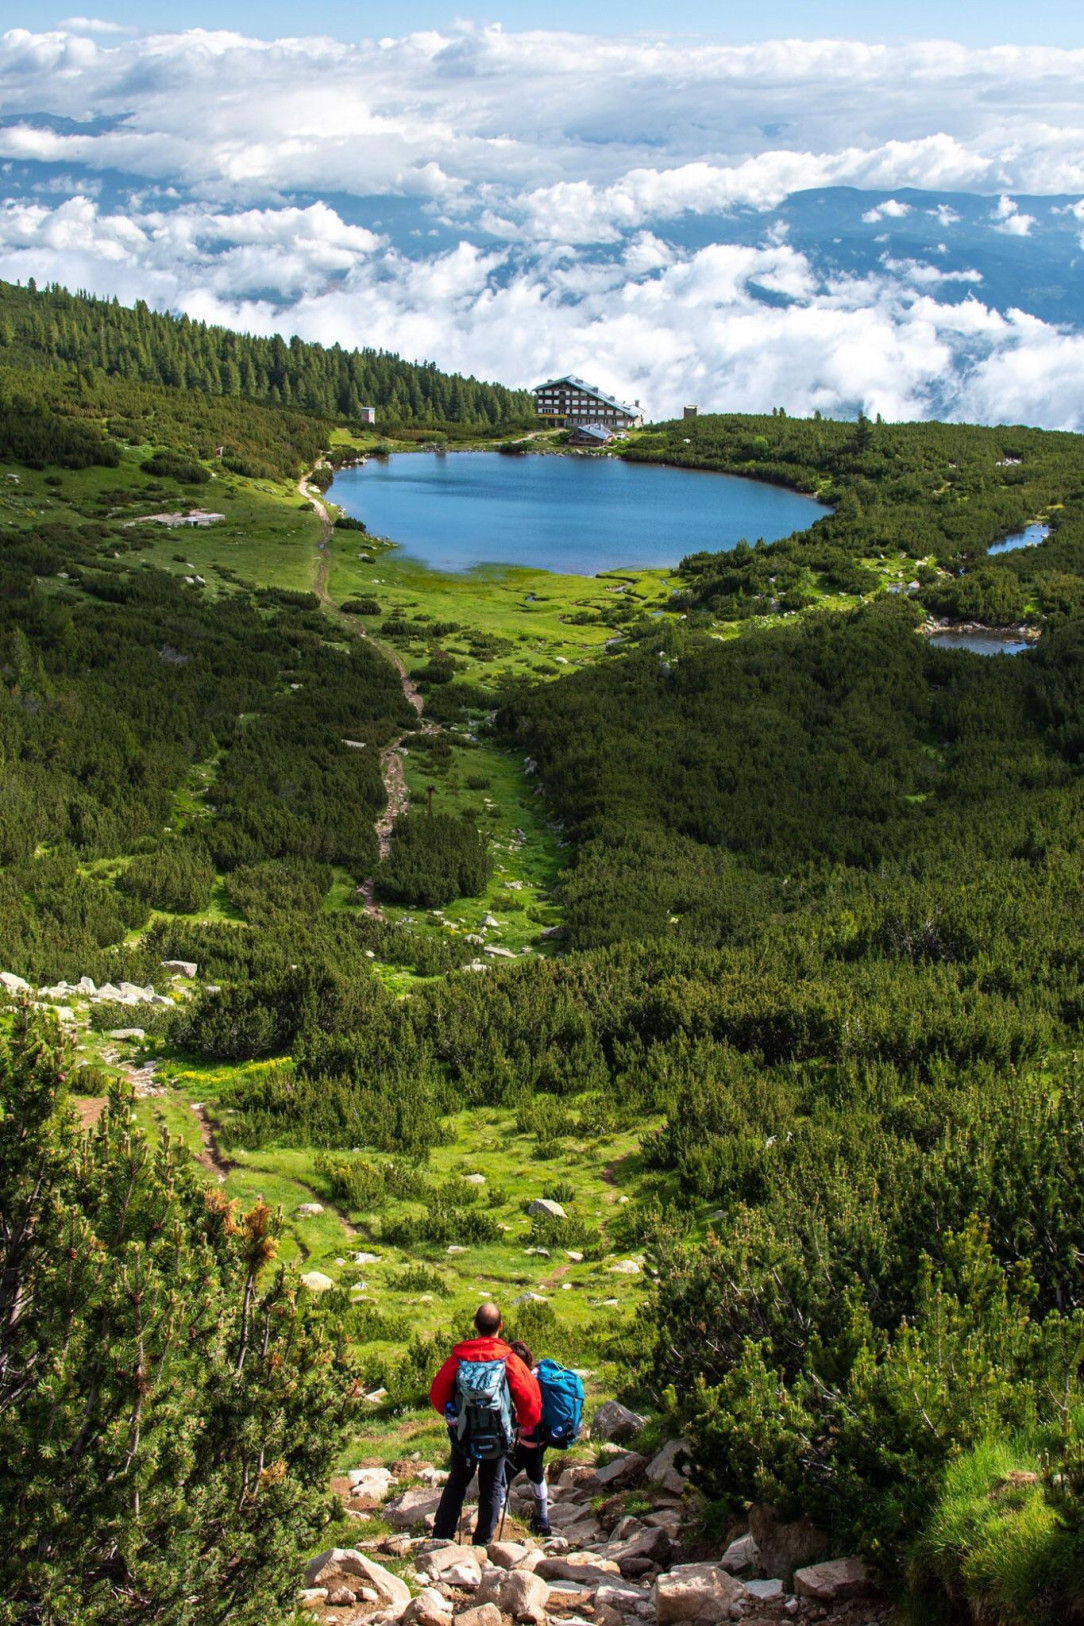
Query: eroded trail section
[(210, 1156), (391, 759)]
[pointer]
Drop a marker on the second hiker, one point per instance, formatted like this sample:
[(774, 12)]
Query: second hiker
[(484, 1391)]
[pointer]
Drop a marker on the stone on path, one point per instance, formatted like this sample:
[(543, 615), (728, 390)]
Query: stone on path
[(613, 1421), (453, 1565), (622, 1471), (507, 1554), (663, 1469), (411, 1508), (519, 1593), (785, 1545), (834, 1582), (766, 1591), (346, 1564), (427, 1609), (742, 1554), (483, 1614), (696, 1592)]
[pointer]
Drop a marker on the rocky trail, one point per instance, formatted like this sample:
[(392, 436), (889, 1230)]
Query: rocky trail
[(391, 760), (628, 1549), (210, 1156)]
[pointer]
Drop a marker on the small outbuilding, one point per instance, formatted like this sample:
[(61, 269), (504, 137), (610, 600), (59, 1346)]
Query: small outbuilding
[(590, 434), (366, 416)]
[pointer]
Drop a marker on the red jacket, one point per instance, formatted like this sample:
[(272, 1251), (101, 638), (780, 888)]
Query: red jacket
[(522, 1383)]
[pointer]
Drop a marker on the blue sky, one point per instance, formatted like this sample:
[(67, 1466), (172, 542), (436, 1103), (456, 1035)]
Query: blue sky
[(1044, 22)]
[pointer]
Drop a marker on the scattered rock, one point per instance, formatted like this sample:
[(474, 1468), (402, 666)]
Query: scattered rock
[(316, 1281), (766, 1591), (581, 1567), (623, 1470), (624, 1267), (341, 1597), (663, 1469), (427, 1609), (696, 1592), (546, 1205), (312, 1597), (475, 1179), (483, 1614), (785, 1546), (453, 1565), (643, 1552), (181, 968), (507, 1554), (519, 1593), (741, 1555), (308, 1210), (13, 984), (411, 1508), (342, 1563), (616, 1422), (835, 1581)]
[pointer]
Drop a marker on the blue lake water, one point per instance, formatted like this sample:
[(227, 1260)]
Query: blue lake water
[(577, 516), (980, 643), (1029, 537)]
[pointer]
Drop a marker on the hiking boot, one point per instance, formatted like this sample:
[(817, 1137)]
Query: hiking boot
[(539, 1526)]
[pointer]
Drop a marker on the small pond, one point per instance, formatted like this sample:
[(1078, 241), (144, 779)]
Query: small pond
[(980, 643), (578, 516), (1029, 537)]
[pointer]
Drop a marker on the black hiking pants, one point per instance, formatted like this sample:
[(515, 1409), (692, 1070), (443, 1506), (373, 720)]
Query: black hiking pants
[(490, 1496)]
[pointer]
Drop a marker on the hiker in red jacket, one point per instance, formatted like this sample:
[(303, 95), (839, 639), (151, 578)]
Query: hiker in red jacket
[(485, 1394)]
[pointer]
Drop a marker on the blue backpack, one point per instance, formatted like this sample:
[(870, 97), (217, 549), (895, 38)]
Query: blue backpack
[(483, 1426), (562, 1405)]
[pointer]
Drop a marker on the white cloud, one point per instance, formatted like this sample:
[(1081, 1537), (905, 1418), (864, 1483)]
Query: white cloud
[(227, 177), (93, 25), (1010, 220), (891, 209)]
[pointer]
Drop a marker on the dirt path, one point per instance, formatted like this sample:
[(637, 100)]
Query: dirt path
[(391, 761), (210, 1157)]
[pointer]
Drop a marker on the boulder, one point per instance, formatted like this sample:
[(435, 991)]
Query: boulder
[(475, 1179), (741, 1555), (427, 1609), (696, 1592), (519, 1593), (663, 1469), (582, 1532), (620, 1595), (624, 1267), (507, 1554), (368, 1488), (343, 1564), (623, 1470), (613, 1421), (411, 1508), (641, 1553), (766, 1591), (482, 1614), (13, 984), (785, 1545), (834, 1582), (181, 968), (316, 1281), (546, 1205), (341, 1597), (583, 1567), (453, 1565), (308, 1210), (312, 1597)]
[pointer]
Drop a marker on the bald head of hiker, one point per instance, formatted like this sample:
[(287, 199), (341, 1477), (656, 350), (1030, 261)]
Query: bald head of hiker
[(487, 1320)]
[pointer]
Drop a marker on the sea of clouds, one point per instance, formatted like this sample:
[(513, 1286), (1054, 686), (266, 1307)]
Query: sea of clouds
[(515, 205)]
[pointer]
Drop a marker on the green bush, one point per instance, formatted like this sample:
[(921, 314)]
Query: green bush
[(433, 860), (178, 879)]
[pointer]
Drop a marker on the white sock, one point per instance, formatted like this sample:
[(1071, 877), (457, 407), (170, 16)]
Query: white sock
[(541, 1496)]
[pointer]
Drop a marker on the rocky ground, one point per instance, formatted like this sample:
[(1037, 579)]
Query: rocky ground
[(604, 1564)]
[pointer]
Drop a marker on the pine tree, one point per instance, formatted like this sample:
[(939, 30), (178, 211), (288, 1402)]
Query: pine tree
[(169, 1406)]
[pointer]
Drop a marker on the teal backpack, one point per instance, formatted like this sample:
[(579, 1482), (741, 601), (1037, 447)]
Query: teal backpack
[(484, 1426), (562, 1405)]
